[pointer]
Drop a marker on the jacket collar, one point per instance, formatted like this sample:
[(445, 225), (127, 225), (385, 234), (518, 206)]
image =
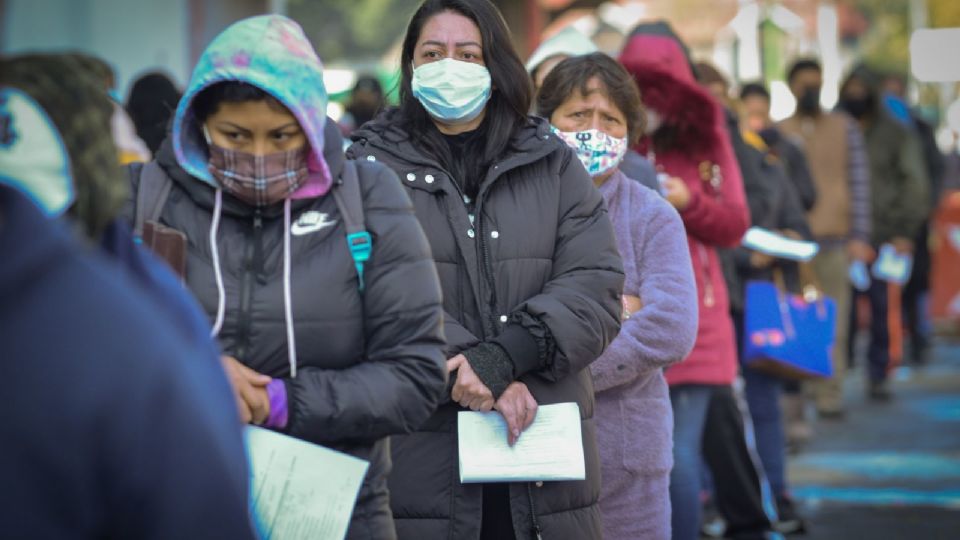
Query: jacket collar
[(533, 142)]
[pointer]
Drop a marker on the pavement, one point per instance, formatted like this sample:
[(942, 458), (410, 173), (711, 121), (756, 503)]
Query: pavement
[(888, 470)]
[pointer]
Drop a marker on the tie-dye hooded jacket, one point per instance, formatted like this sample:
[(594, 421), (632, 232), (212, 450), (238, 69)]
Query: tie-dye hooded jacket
[(280, 284)]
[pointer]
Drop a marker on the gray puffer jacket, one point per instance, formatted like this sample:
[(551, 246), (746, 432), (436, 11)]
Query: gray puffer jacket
[(369, 364), (535, 251)]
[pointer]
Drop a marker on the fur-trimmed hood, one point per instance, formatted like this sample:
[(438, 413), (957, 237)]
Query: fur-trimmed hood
[(660, 64)]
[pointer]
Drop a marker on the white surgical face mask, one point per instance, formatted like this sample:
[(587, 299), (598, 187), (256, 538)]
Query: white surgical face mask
[(600, 153), (452, 91)]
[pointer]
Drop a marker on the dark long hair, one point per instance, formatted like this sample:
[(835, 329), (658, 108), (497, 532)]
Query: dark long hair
[(510, 99), (151, 103)]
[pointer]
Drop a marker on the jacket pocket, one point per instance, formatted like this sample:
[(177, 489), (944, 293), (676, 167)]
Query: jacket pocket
[(647, 435)]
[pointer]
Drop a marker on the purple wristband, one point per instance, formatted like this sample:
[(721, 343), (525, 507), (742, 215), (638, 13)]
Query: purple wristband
[(277, 394)]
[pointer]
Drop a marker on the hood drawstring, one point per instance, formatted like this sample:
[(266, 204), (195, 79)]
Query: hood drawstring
[(215, 254), (287, 297)]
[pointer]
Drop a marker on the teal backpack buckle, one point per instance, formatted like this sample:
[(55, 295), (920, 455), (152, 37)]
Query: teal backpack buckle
[(361, 246)]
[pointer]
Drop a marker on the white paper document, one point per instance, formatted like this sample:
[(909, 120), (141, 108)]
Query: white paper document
[(777, 245), (301, 490), (550, 449), (892, 266)]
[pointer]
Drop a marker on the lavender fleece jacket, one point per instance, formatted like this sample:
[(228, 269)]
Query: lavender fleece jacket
[(633, 414)]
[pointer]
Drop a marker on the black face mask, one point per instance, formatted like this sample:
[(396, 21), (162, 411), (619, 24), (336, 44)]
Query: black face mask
[(809, 101), (857, 107)]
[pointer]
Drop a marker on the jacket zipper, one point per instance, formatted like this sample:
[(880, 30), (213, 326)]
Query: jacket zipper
[(486, 271), (250, 270)]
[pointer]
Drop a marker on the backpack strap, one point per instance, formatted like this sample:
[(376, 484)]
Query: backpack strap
[(350, 203), (152, 193)]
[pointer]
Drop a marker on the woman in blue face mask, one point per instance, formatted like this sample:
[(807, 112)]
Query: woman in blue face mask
[(594, 105), (528, 264)]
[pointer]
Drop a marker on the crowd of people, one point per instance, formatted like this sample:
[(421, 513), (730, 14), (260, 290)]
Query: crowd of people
[(509, 235)]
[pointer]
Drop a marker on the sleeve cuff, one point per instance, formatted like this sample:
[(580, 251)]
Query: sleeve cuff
[(492, 365), (521, 347), (277, 394)]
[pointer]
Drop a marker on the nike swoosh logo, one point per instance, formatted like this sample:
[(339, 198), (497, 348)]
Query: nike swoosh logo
[(311, 222)]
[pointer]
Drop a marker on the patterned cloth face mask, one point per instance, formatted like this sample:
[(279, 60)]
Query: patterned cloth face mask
[(258, 180), (599, 152)]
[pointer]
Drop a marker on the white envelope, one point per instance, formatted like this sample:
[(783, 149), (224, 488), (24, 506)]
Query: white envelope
[(777, 245)]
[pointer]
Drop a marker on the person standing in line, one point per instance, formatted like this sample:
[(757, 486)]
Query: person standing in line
[(916, 292), (153, 98), (366, 100), (764, 392), (745, 501), (840, 220), (900, 202), (568, 43), (314, 269), (75, 177), (528, 263), (594, 105), (755, 102), (124, 424), (687, 139)]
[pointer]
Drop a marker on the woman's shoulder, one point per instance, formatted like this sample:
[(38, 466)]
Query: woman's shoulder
[(379, 185), (639, 194), (534, 141), (648, 205), (535, 133)]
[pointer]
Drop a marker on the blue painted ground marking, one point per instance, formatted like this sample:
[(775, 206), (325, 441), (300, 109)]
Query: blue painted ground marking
[(885, 465), (944, 408), (949, 498)]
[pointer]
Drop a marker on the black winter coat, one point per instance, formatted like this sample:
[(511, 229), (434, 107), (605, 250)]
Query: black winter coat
[(794, 164), (761, 195), (788, 214), (370, 365), (536, 249)]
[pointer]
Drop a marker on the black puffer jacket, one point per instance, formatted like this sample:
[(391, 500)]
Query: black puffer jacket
[(535, 250), (369, 365)]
